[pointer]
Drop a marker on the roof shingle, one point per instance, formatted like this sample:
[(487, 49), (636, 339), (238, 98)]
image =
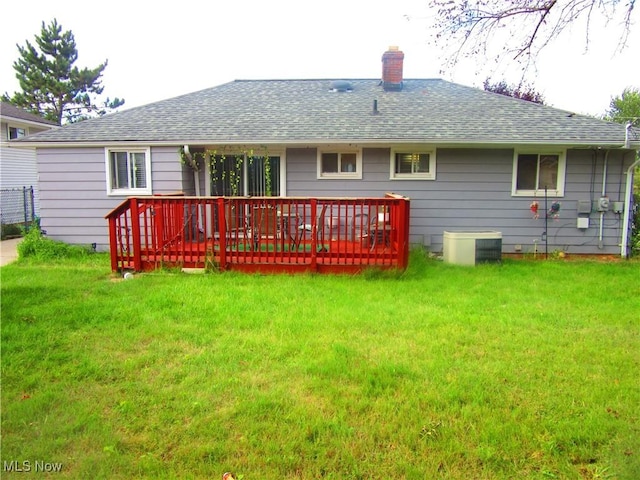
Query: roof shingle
[(303, 111), (8, 110)]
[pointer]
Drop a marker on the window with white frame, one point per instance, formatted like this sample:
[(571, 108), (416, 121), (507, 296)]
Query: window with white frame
[(128, 171), (339, 164), (413, 164), (16, 132), (533, 172)]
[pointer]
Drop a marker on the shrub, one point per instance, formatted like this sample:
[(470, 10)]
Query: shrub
[(10, 231), (635, 227), (37, 246)]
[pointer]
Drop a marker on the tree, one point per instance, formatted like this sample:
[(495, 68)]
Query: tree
[(626, 107), (52, 86), (523, 26), (522, 91)]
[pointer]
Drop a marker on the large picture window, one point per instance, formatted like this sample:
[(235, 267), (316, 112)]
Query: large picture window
[(129, 172), (535, 172), (413, 164)]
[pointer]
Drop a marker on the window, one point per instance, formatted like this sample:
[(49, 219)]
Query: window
[(339, 164), (15, 132), (413, 164), (533, 172), (129, 172)]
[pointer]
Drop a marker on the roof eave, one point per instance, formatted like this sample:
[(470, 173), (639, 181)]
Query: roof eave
[(633, 145)]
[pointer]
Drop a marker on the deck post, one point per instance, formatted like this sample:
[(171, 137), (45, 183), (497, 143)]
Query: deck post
[(222, 229), (403, 233), (113, 243), (314, 232), (135, 227)]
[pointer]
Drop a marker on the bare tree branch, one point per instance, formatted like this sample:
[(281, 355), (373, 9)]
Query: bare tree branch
[(525, 26)]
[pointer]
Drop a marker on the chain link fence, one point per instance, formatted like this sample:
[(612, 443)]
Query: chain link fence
[(17, 210)]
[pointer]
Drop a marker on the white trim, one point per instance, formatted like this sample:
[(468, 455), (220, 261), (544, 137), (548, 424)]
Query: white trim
[(25, 131), (283, 172), (357, 175), (562, 168), (430, 175), (128, 191)]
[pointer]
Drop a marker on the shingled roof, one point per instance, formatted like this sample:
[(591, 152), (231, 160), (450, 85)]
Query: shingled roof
[(299, 112), (7, 110)]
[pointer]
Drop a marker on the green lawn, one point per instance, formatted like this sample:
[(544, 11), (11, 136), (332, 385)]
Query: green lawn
[(521, 370)]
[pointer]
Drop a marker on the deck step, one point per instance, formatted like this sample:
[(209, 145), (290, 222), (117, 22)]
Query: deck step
[(194, 270)]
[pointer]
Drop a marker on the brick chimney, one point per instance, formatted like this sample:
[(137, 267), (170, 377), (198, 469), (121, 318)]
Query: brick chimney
[(392, 61)]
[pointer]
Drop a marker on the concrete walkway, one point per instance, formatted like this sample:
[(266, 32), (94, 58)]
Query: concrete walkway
[(8, 250)]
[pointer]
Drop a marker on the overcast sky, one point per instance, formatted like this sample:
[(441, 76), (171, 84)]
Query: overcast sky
[(160, 50)]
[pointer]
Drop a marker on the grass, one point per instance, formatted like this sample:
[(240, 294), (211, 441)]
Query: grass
[(524, 370)]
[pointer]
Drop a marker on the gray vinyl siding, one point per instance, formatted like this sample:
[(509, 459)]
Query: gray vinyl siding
[(73, 191), (472, 192)]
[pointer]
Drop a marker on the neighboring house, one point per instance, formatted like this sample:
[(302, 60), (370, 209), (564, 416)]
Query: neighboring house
[(470, 160), (18, 167)]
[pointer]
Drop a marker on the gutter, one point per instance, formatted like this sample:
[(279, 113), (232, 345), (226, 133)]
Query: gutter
[(302, 143), (624, 253)]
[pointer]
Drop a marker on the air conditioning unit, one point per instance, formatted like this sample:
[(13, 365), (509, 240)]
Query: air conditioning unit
[(471, 248)]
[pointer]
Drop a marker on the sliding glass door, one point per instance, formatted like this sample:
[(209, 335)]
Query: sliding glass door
[(243, 175)]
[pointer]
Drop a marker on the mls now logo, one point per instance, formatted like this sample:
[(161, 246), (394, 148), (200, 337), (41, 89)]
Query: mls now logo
[(28, 466)]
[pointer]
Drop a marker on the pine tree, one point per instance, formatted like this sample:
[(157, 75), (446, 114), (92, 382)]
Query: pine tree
[(52, 86), (626, 107)]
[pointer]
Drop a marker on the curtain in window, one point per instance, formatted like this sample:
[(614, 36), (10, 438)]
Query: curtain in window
[(233, 175), (412, 163), (120, 176), (226, 175), (548, 176), (139, 174), (264, 177)]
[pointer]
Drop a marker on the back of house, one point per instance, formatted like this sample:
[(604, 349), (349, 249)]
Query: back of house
[(469, 160)]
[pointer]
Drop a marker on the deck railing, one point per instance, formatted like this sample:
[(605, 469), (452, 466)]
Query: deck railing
[(284, 234)]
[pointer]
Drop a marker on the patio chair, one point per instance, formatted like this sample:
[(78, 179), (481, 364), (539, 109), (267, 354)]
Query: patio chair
[(308, 228), (289, 226), (237, 225), (359, 227), (264, 225), (380, 229)]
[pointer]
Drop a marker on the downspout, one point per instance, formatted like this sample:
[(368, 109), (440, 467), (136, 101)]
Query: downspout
[(627, 197), (196, 178), (196, 173), (604, 192)]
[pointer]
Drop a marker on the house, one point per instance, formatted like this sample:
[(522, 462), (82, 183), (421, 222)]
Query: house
[(470, 160), (18, 167)]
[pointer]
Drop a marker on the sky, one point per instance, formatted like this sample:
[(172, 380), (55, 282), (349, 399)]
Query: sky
[(157, 50)]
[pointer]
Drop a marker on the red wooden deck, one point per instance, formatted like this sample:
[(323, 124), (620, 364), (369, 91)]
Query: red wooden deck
[(260, 234)]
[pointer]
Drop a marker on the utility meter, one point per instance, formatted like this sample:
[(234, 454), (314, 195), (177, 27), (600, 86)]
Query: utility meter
[(603, 204)]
